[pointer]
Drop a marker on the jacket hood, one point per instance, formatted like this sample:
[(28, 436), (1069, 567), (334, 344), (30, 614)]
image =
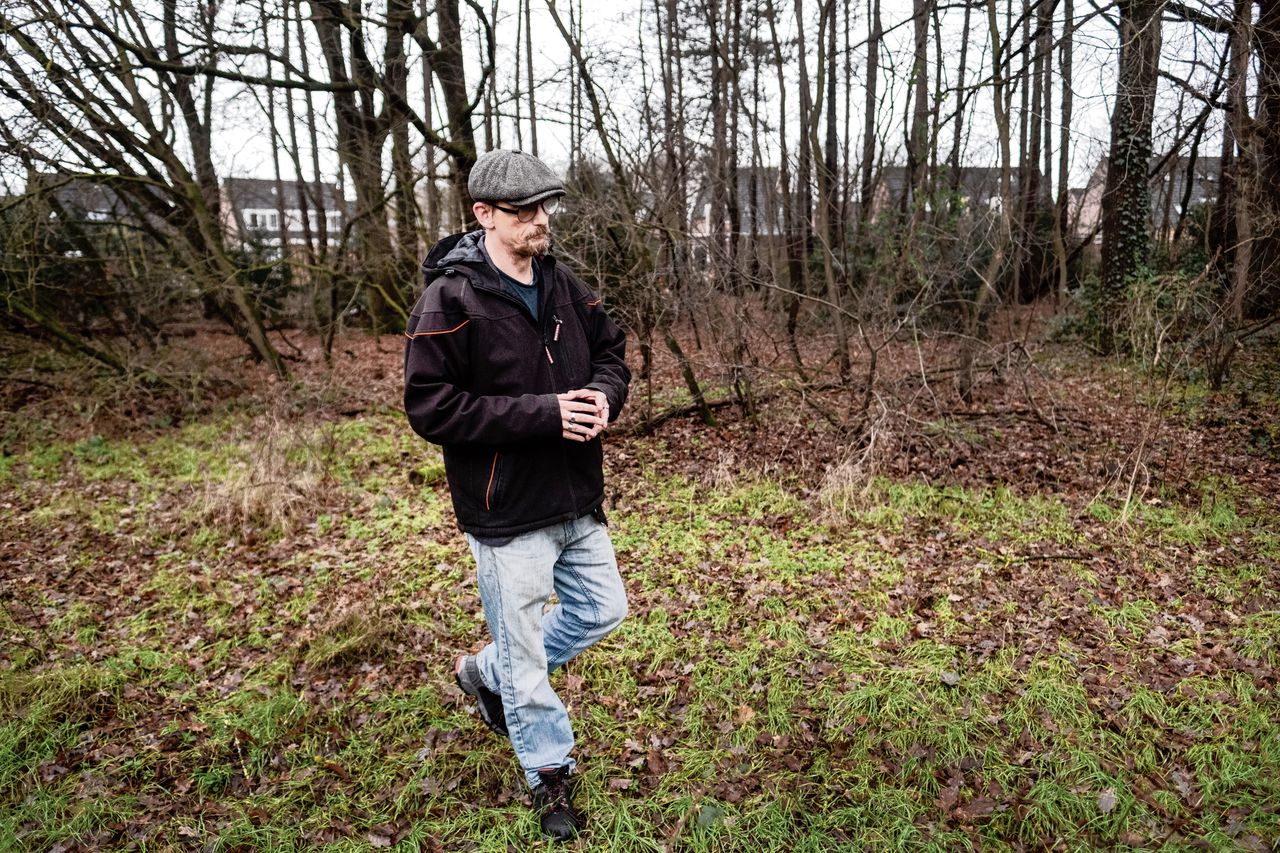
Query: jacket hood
[(456, 249), (463, 249)]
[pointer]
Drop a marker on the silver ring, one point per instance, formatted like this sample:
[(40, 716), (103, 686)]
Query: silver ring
[(573, 419)]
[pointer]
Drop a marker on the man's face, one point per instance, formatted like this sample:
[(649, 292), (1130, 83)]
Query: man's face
[(522, 239)]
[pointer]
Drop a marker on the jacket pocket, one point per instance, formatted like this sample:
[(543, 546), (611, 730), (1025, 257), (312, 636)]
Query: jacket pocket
[(577, 355), (493, 486)]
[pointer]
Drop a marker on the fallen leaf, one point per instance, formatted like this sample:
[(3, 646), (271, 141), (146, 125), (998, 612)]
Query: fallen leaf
[(950, 793), (977, 807), (709, 815), (337, 768)]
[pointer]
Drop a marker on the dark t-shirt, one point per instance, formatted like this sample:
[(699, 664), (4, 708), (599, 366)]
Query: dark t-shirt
[(528, 293)]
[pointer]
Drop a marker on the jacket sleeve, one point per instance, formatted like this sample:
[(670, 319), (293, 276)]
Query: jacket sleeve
[(609, 372), (437, 401)]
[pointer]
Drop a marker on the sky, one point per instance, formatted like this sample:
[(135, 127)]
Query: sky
[(613, 32), (617, 34)]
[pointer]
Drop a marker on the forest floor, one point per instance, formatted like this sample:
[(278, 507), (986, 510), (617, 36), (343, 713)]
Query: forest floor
[(1047, 619)]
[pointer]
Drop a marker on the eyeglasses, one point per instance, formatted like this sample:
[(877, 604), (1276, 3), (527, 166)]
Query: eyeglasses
[(529, 212)]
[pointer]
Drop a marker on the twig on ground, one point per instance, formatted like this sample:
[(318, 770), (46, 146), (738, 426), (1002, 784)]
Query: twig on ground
[(1032, 413), (648, 425), (35, 382), (684, 818), (1063, 556), (1026, 387)]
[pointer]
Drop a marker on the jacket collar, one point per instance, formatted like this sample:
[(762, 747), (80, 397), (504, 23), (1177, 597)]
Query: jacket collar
[(467, 250)]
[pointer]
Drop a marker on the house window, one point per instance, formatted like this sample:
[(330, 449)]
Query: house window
[(253, 220), (273, 220)]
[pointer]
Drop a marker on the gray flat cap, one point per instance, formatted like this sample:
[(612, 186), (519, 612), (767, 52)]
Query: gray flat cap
[(512, 176)]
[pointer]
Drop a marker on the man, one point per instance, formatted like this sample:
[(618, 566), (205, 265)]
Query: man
[(514, 367)]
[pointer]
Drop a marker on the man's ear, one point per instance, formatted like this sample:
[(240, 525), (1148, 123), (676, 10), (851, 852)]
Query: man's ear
[(483, 214)]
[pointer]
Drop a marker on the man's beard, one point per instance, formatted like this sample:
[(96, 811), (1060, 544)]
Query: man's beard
[(533, 244)]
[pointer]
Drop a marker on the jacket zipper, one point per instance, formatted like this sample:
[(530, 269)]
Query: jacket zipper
[(549, 336), (555, 336), (548, 339)]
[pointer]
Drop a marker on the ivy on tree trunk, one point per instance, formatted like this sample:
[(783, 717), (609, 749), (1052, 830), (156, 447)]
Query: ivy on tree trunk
[(1126, 235)]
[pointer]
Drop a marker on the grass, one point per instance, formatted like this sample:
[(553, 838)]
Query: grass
[(934, 668)]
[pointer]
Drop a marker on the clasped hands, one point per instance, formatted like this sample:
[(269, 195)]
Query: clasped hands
[(584, 413)]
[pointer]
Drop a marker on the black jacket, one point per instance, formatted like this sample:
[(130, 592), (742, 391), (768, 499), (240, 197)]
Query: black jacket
[(481, 378)]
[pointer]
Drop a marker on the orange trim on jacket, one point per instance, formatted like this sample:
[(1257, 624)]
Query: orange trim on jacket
[(489, 488), (441, 332)]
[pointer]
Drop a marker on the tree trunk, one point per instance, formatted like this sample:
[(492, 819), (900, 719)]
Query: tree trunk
[(983, 302), (326, 299), (1240, 133), (404, 179), (867, 188), (361, 135), (810, 115), (831, 150), (1266, 251), (528, 58), (1126, 236), (1028, 275), (1061, 219), (450, 70), (790, 229), (918, 139), (204, 226)]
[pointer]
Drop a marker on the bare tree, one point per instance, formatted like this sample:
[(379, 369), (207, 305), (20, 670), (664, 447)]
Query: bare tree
[(633, 254), (1266, 254), (1238, 195), (792, 216), (85, 76), (978, 311), (1062, 213), (810, 116), (1126, 233)]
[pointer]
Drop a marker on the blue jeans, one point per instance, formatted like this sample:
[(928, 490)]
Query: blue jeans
[(574, 559)]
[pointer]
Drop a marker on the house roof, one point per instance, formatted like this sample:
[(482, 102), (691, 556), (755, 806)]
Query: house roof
[(1169, 185), (764, 205), (976, 182), (247, 193), (80, 198), (1171, 182)]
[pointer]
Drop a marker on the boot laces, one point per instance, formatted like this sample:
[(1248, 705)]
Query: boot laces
[(557, 792)]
